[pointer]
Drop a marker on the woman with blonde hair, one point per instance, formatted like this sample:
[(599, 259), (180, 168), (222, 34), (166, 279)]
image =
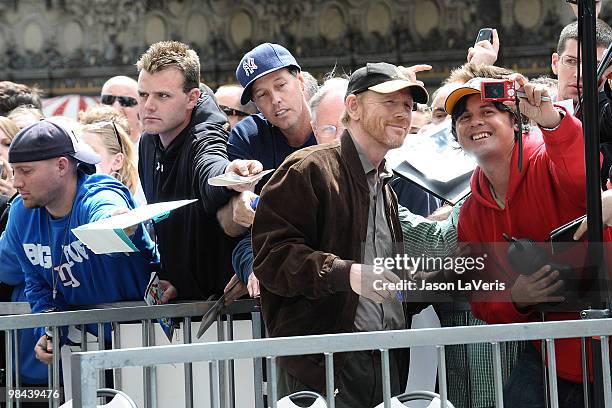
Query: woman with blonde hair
[(8, 130), (111, 141)]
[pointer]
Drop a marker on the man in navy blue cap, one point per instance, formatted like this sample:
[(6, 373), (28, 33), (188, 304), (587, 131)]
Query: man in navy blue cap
[(53, 173), (272, 79)]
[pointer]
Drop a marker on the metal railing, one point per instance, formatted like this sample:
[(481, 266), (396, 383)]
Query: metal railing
[(85, 365), (122, 312)]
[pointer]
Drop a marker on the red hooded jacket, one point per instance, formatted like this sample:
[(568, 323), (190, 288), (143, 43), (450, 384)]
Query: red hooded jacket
[(549, 192)]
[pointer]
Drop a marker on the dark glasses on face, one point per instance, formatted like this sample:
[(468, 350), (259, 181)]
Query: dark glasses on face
[(125, 101), (232, 112)]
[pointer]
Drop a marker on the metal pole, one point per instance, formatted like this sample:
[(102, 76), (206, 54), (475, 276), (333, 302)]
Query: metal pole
[(442, 376), (384, 358), (83, 383), (84, 344), (272, 382), (590, 124), (258, 379), (9, 366), (216, 387), (268, 383), (188, 367), (50, 383), (146, 371), (586, 385), (605, 362), (497, 376), (117, 344), (230, 381), (101, 346), (56, 363), (17, 381), (552, 373), (329, 380), (211, 377), (222, 364), (153, 378), (544, 370), (83, 337)]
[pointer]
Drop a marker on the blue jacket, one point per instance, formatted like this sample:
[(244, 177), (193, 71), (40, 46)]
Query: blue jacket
[(254, 138), (79, 276), (31, 370)]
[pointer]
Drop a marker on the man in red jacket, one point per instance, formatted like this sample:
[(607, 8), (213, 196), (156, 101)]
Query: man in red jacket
[(546, 193)]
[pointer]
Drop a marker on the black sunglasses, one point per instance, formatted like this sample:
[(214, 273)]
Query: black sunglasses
[(115, 130), (117, 135), (125, 101), (233, 112)]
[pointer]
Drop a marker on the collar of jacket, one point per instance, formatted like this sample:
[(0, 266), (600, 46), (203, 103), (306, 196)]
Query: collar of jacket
[(349, 154)]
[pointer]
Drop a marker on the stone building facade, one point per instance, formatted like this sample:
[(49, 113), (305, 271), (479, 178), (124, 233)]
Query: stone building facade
[(72, 46)]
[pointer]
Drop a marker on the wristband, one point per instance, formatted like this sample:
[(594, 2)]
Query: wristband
[(49, 333), (562, 113), (254, 203)]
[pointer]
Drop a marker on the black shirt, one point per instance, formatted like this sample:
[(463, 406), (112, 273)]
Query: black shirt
[(195, 253)]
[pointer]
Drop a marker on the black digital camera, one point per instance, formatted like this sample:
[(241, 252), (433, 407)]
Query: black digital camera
[(526, 257)]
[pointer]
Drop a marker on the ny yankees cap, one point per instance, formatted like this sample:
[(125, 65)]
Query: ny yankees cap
[(48, 139), (261, 60)]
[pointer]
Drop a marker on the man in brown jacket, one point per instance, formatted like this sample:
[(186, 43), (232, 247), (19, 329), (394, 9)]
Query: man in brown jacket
[(325, 215)]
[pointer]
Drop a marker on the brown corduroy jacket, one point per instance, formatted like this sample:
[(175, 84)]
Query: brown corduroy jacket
[(310, 224)]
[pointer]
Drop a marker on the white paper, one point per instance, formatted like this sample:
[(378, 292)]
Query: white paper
[(103, 241), (106, 236), (423, 369), (232, 179)]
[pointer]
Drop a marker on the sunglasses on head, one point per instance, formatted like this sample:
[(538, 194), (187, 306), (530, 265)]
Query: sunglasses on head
[(117, 135), (111, 124), (125, 101), (232, 112)]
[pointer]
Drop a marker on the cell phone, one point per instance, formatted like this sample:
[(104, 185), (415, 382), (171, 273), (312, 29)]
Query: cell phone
[(484, 34), (1, 170), (560, 237)]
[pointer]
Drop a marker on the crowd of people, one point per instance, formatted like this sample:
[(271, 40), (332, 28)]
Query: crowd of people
[(306, 237)]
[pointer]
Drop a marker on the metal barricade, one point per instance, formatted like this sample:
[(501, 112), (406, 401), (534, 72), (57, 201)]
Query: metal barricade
[(16, 317), (470, 374), (85, 365)]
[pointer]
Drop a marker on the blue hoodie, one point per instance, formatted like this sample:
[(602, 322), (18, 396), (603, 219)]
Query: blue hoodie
[(31, 370), (82, 278)]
